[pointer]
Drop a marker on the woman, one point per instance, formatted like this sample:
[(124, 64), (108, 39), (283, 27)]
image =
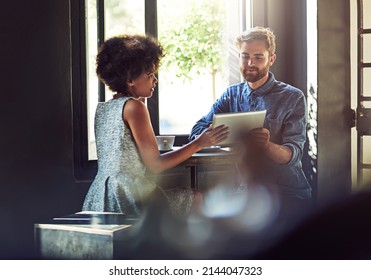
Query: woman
[(126, 143)]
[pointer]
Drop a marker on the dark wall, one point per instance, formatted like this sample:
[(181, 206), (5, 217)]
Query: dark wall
[(287, 19), (334, 116), (36, 152)]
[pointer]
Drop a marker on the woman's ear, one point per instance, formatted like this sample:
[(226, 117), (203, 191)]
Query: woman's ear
[(130, 83)]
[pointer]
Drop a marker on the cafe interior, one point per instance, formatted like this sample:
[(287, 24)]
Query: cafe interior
[(47, 166)]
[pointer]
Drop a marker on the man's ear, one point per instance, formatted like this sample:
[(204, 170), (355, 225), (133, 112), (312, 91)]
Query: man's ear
[(130, 83), (272, 59)]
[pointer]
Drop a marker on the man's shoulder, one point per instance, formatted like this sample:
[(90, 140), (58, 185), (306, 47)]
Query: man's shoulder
[(287, 88)]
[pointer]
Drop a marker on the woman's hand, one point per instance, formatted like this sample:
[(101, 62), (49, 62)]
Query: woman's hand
[(212, 136)]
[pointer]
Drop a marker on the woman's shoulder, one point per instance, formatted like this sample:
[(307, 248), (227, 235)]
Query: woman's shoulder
[(134, 104), (134, 109), (119, 102)]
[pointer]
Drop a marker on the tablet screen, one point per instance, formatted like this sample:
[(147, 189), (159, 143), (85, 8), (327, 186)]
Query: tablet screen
[(237, 122)]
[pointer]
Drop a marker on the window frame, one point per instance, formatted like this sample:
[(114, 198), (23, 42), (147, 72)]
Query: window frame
[(84, 169)]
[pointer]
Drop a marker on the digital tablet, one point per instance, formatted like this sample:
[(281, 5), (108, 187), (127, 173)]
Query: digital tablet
[(238, 121)]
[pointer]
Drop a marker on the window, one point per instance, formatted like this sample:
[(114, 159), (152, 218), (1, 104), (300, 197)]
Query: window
[(195, 69), (198, 36), (105, 19)]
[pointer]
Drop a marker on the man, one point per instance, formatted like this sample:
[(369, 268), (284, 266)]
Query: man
[(282, 138)]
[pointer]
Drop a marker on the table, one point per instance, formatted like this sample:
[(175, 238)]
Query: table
[(217, 157), (84, 235)]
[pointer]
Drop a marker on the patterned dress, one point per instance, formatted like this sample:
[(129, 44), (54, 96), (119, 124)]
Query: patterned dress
[(120, 184)]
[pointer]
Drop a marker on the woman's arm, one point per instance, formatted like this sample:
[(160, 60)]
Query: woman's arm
[(136, 117)]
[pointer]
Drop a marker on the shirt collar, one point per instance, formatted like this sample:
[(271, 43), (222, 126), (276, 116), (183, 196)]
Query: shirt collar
[(264, 89)]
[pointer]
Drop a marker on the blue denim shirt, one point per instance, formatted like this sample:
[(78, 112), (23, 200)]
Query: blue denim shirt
[(286, 121)]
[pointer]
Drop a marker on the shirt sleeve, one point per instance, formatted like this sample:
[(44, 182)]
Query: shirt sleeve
[(294, 132), (220, 106)]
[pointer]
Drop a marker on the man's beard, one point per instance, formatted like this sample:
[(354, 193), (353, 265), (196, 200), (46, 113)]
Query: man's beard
[(255, 76)]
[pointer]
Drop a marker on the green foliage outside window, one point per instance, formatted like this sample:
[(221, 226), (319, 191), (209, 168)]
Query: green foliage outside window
[(195, 43)]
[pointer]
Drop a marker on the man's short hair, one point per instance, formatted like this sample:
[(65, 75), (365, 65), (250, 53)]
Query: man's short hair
[(258, 33)]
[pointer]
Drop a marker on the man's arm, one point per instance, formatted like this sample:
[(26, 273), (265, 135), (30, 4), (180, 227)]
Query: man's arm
[(294, 133), (220, 106), (293, 136), (280, 154), (201, 125)]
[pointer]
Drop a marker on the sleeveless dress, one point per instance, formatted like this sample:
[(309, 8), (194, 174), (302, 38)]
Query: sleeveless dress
[(120, 184)]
